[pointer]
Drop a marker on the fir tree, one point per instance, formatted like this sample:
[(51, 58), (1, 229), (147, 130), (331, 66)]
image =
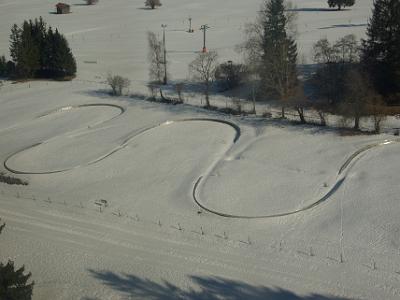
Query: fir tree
[(381, 53), (38, 32), (28, 60), (13, 282), (63, 63), (279, 75), (3, 66), (15, 42)]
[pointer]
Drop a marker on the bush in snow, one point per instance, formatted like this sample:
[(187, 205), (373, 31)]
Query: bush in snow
[(117, 83), (152, 3)]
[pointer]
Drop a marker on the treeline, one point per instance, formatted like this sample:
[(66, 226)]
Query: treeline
[(353, 79), (38, 51)]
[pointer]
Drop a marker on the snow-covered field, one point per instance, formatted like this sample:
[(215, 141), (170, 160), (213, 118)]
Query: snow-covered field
[(200, 205)]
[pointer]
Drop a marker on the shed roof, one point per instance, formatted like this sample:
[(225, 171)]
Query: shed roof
[(62, 5)]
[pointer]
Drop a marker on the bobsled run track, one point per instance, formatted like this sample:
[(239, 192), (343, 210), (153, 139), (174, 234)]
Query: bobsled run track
[(341, 175)]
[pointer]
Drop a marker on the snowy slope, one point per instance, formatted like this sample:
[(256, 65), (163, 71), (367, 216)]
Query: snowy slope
[(153, 241)]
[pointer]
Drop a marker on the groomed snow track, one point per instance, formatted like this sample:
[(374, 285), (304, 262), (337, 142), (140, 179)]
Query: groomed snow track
[(118, 148), (341, 176)]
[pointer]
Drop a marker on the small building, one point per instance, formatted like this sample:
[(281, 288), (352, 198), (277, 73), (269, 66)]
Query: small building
[(63, 8)]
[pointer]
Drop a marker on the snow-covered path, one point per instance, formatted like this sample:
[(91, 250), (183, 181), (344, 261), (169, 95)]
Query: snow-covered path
[(152, 242)]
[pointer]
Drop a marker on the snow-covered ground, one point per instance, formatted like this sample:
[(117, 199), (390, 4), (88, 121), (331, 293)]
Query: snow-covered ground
[(152, 162)]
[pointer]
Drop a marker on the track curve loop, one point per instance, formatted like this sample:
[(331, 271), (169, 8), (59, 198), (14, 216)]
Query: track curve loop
[(341, 177), (124, 143)]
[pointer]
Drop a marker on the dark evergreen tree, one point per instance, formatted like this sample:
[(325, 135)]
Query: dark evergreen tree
[(381, 55), (63, 61), (3, 66), (279, 74), (13, 282), (38, 32), (41, 52), (341, 3), (29, 60), (15, 42)]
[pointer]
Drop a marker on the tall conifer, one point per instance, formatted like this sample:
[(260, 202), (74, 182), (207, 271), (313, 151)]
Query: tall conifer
[(381, 54), (279, 75)]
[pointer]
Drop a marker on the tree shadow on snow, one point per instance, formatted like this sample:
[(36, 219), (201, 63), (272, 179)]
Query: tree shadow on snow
[(207, 288), (316, 9), (344, 26)]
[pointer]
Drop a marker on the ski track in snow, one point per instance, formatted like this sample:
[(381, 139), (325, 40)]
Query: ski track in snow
[(341, 176)]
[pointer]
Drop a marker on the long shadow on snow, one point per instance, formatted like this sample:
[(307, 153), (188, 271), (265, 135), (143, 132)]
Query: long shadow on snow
[(207, 288), (344, 26), (316, 9)]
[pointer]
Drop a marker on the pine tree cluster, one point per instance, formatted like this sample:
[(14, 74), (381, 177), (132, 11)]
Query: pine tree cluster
[(38, 51)]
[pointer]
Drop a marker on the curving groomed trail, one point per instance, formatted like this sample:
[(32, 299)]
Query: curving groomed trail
[(341, 176), (113, 151)]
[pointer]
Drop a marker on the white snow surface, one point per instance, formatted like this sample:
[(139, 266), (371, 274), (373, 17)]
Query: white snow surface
[(149, 161)]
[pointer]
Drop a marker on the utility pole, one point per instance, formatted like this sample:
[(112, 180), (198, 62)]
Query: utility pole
[(204, 29), (190, 25), (165, 54)]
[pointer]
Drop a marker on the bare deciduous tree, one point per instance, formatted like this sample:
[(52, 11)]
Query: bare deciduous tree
[(347, 49), (377, 110), (155, 58), (357, 95), (300, 102), (324, 52), (203, 69), (117, 83), (153, 3), (179, 90), (335, 61), (153, 91)]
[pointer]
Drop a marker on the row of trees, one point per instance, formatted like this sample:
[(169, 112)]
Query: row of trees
[(38, 51), (353, 79)]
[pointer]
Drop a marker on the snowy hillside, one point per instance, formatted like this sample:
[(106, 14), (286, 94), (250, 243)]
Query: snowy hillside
[(199, 205)]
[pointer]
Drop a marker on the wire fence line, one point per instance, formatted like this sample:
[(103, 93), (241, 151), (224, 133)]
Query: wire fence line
[(297, 249)]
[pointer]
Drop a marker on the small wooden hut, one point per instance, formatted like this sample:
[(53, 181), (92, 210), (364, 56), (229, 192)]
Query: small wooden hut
[(63, 8)]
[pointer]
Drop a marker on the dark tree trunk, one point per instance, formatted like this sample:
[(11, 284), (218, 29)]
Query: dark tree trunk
[(300, 111), (357, 123)]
